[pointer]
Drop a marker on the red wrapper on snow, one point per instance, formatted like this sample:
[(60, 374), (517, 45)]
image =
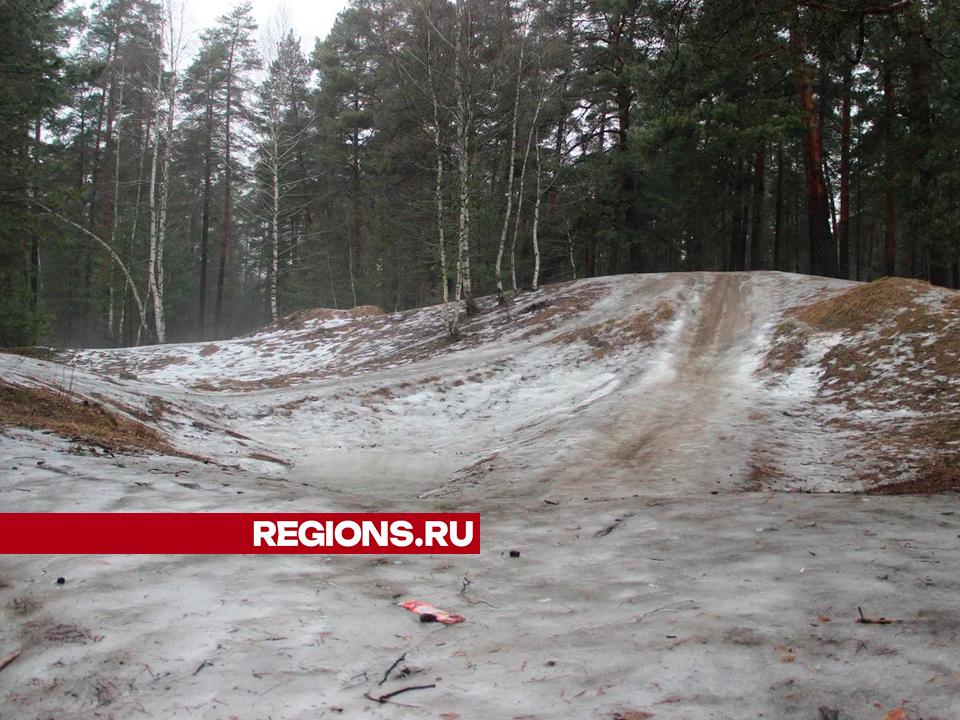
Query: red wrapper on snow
[(426, 609)]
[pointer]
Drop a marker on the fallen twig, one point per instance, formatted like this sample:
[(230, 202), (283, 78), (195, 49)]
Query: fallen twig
[(384, 698), (4, 661), (390, 669), (874, 621), (463, 593), (204, 664)]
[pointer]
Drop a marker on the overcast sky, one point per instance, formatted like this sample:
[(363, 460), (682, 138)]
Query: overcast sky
[(309, 19)]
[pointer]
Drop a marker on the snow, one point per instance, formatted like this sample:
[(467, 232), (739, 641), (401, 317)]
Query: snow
[(682, 610)]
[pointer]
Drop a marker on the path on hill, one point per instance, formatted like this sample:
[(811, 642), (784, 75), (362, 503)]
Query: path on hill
[(694, 417)]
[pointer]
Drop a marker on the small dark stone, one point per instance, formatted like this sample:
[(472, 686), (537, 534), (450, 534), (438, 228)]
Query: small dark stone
[(61, 581), (551, 663), (714, 492), (514, 553)]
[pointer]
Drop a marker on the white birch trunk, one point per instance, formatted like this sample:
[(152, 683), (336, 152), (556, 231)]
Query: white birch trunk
[(451, 319), (464, 113), (523, 175), (152, 195), (274, 222), (159, 318), (116, 205), (536, 224), (573, 264), (128, 279), (513, 158)]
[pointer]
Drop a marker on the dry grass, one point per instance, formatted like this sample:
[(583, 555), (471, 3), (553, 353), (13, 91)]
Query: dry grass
[(77, 419), (862, 306), (761, 475), (935, 476), (787, 349)]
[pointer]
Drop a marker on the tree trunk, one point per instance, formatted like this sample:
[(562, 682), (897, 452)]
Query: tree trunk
[(162, 210), (274, 220), (356, 238), (205, 228), (778, 210), (152, 202), (227, 188), (111, 210), (451, 319), (95, 167), (536, 225), (940, 270), (822, 259), (756, 230), (510, 174), (843, 227), (858, 251), (736, 259), (890, 246), (464, 121)]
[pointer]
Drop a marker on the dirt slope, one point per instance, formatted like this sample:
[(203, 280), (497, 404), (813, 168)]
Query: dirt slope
[(628, 435)]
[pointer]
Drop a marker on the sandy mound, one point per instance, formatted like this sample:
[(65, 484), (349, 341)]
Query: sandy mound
[(298, 318)]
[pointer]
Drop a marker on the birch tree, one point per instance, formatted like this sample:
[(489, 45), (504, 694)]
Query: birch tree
[(280, 147), (464, 146), (172, 36), (511, 167)]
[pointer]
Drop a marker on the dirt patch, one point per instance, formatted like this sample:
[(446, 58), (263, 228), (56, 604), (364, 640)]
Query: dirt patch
[(37, 353), (61, 633), (77, 419), (613, 336), (761, 475), (269, 458), (23, 606), (937, 476), (209, 350), (233, 385), (898, 359), (546, 315)]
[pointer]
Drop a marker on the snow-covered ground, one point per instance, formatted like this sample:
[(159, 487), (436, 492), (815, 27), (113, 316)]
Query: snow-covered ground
[(620, 432)]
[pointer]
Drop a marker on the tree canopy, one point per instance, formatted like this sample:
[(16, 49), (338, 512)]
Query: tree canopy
[(431, 151)]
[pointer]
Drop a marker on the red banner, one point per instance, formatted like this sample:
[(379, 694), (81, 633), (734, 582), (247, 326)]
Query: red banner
[(239, 533)]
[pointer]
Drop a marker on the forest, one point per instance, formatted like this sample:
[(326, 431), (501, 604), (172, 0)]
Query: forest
[(162, 185)]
